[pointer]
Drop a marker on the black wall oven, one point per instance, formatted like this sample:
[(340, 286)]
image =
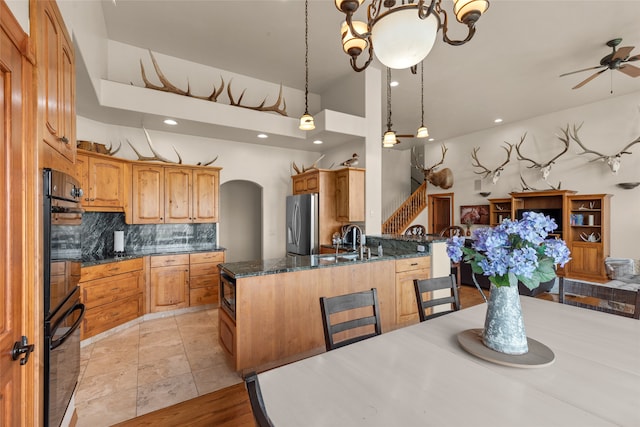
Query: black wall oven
[(63, 310)]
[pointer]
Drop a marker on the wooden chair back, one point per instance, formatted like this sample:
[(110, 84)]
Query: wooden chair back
[(415, 230), (623, 302), (255, 398), (453, 230), (435, 284), (363, 316)]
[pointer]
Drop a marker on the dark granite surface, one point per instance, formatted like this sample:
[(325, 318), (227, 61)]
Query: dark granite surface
[(126, 256)]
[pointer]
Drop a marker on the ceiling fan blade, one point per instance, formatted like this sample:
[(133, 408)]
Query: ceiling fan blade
[(633, 58), (622, 53), (588, 79), (630, 70), (584, 69), (405, 136)]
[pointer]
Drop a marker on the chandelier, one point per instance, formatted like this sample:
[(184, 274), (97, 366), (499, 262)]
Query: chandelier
[(403, 34)]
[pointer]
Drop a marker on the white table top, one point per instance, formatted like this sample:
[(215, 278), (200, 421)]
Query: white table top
[(420, 376)]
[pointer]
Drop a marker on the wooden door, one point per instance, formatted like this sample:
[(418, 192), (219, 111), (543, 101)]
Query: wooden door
[(148, 194), (177, 187), (205, 195), (106, 178), (169, 288), (15, 280), (406, 305), (440, 212)]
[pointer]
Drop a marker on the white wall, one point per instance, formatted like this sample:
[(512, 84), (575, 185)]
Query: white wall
[(608, 127), (240, 230), (20, 11)]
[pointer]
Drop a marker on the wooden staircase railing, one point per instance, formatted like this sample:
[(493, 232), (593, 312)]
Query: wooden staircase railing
[(407, 212)]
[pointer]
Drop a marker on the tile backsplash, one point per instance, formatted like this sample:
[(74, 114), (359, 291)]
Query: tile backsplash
[(98, 228)]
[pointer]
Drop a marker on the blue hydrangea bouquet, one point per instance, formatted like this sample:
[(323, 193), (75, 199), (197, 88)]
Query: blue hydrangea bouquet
[(519, 249)]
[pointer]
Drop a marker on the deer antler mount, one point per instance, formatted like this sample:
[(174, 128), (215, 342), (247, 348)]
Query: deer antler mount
[(544, 168), (442, 178), (493, 173), (280, 106), (614, 161), (305, 169), (158, 157)]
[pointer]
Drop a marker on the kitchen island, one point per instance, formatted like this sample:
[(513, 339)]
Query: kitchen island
[(270, 311)]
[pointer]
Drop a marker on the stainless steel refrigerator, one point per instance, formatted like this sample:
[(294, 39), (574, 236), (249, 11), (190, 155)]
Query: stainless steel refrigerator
[(302, 224)]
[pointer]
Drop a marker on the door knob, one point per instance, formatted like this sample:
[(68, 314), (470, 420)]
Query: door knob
[(22, 347)]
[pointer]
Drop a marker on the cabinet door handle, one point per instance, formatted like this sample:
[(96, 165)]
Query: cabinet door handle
[(414, 263), (64, 139)]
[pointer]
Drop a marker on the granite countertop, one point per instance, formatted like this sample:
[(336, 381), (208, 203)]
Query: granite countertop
[(127, 256)]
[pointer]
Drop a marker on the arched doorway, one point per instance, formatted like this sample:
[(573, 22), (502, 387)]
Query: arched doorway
[(240, 225)]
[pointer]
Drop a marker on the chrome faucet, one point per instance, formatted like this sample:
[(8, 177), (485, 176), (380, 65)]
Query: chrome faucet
[(361, 241)]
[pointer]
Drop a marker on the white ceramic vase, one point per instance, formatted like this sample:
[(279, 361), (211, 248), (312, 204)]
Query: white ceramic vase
[(504, 326)]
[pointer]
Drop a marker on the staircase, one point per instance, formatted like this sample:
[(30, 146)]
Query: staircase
[(407, 212)]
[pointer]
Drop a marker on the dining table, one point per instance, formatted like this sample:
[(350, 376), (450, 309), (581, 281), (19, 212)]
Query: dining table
[(420, 375)]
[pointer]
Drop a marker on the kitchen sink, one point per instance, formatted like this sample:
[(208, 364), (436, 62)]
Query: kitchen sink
[(332, 258)]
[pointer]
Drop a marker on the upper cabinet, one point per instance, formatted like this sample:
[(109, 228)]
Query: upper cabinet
[(167, 194), (103, 182), (350, 195), (56, 81), (307, 182)]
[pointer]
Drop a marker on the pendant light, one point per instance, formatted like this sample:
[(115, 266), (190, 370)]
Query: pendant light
[(422, 132), (389, 139), (306, 121)]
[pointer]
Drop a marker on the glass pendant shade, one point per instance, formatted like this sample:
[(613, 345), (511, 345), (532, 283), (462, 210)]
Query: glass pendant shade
[(306, 122), (401, 39), (423, 132), (464, 7), (350, 44), (389, 139)]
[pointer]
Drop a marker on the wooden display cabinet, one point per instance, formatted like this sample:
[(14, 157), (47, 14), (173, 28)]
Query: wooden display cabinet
[(588, 236), (499, 210), (350, 194)]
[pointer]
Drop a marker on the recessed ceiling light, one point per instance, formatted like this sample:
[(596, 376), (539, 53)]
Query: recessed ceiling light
[(498, 120), (170, 122), (263, 135), (317, 141), (431, 139), (394, 83)]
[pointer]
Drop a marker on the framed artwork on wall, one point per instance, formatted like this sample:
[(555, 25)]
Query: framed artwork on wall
[(474, 214)]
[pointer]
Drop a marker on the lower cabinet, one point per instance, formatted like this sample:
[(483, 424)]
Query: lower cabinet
[(113, 294), (168, 282), (407, 270), (227, 334), (204, 277)]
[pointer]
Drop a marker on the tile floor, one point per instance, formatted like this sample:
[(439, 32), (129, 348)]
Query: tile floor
[(151, 365)]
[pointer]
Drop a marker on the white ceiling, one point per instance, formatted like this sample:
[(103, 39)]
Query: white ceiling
[(510, 69)]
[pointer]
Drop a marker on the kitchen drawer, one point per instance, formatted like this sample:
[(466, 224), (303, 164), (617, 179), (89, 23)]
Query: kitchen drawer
[(169, 260), (200, 296), (102, 291), (203, 281), (110, 315), (110, 269), (57, 268), (203, 269), (417, 263), (203, 257)]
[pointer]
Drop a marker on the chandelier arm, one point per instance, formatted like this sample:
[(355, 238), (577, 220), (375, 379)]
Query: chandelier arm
[(354, 60), (349, 21), (444, 27), (429, 10)]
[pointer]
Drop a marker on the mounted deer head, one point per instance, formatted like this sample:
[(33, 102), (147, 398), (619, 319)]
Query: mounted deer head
[(545, 168), (442, 179), (613, 161), (495, 173)]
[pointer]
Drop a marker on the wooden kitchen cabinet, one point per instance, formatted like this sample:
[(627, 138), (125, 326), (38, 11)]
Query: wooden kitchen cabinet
[(168, 282), (56, 79), (307, 182), (407, 270), (147, 194), (499, 210), (103, 182), (204, 277), (350, 195), (113, 294), (166, 194)]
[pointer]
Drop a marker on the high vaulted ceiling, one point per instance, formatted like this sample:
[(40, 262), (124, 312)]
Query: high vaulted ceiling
[(510, 69)]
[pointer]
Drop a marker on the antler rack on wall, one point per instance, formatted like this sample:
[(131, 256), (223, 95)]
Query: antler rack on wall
[(280, 106)]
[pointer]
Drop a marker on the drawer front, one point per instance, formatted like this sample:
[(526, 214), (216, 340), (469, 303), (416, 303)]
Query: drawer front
[(110, 269), (203, 269), (57, 268), (110, 315), (201, 296), (169, 260), (417, 263), (202, 257), (203, 281), (103, 291)]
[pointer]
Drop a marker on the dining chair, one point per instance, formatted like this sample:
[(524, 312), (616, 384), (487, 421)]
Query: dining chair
[(623, 302), (415, 230), (436, 284), (454, 230), (255, 398), (346, 308)]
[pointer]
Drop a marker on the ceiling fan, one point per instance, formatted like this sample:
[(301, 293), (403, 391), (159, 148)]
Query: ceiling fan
[(616, 60)]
